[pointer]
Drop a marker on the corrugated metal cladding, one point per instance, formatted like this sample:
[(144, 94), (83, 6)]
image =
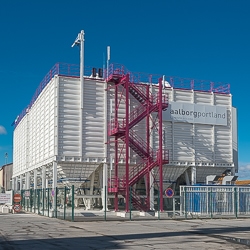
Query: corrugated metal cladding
[(69, 117), (94, 118), (40, 127), (194, 142), (34, 135), (20, 146), (52, 127)]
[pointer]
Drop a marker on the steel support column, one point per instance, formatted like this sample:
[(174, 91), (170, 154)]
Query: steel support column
[(54, 185), (160, 145), (54, 182), (193, 175), (148, 183), (13, 183), (35, 178), (104, 187), (43, 177), (127, 143), (151, 182), (27, 180), (21, 182), (116, 150)]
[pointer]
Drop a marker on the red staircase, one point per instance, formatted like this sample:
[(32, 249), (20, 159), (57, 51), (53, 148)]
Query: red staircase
[(137, 115), (138, 171), (139, 202), (138, 145), (122, 129)]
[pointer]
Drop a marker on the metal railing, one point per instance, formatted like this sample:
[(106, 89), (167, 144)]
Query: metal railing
[(170, 81), (62, 69)]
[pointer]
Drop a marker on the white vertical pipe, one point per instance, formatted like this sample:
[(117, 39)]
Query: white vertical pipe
[(21, 182), (81, 88), (54, 178), (187, 178), (108, 58), (54, 184), (104, 184), (43, 177), (91, 190), (27, 180), (35, 178), (105, 111), (151, 183), (105, 171), (16, 184), (193, 175), (13, 183)]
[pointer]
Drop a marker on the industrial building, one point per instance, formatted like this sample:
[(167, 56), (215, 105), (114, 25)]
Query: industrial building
[(98, 128), (6, 172)]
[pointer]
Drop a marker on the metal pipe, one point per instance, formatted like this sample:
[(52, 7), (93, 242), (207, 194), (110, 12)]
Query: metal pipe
[(81, 88), (148, 149), (116, 149), (127, 143), (160, 145)]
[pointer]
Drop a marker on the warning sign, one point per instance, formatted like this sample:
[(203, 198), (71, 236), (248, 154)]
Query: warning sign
[(17, 208), (169, 192), (17, 198)]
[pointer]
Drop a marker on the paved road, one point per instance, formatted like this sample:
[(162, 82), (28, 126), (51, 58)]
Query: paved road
[(30, 231)]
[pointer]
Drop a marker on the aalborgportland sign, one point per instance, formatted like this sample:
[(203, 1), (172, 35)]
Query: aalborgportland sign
[(195, 113)]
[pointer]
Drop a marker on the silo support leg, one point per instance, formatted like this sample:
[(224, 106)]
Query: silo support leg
[(54, 186)]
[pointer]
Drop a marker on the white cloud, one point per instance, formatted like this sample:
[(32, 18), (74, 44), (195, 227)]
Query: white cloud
[(2, 130), (244, 171)]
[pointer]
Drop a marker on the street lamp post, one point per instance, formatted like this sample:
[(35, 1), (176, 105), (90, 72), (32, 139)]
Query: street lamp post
[(6, 158)]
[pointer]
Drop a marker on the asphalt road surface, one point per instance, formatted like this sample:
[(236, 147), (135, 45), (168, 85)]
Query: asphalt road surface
[(30, 231)]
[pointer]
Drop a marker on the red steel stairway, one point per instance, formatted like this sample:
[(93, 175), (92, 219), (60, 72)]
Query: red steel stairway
[(122, 129)]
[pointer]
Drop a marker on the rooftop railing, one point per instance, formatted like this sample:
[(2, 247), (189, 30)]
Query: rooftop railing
[(73, 70), (170, 81)]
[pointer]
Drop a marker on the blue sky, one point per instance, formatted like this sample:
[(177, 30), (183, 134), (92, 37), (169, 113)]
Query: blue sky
[(198, 39)]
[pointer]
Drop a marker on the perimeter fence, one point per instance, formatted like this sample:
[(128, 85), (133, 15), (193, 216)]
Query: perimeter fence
[(215, 201), (72, 204)]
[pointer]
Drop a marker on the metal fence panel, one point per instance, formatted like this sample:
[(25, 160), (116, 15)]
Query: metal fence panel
[(215, 200)]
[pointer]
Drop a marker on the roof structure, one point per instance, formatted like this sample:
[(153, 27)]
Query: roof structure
[(73, 70)]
